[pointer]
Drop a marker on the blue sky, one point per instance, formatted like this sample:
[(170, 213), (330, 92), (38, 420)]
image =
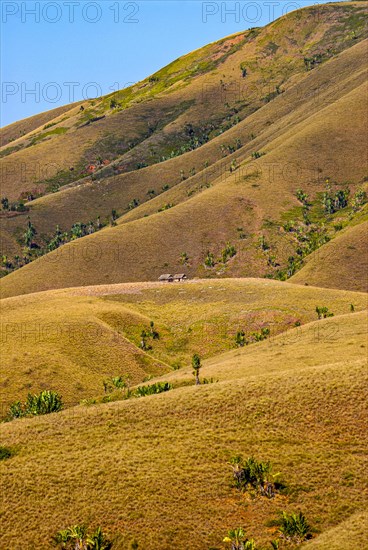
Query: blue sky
[(58, 51)]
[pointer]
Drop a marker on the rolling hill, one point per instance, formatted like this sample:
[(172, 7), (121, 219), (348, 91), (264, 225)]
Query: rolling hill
[(155, 470), (94, 333)]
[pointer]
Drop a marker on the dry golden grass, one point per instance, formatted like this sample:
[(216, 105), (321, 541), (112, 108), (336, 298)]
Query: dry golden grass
[(155, 469), (71, 340), (349, 535), (348, 251)]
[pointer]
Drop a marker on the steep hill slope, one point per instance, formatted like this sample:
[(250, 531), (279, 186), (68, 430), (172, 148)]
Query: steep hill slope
[(142, 249), (156, 469), (342, 263), (310, 124), (72, 340)]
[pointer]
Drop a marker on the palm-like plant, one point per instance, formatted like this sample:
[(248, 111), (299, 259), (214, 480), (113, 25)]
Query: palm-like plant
[(256, 474), (294, 527), (238, 540), (196, 364), (76, 537)]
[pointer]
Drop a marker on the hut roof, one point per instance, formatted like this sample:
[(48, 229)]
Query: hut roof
[(165, 277)]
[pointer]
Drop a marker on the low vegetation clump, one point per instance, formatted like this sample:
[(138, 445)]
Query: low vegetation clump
[(242, 340), (294, 527), (228, 252), (323, 312), (78, 538), (152, 389), (118, 382), (196, 364), (5, 452), (238, 540), (209, 260), (17, 206), (46, 402), (251, 474), (337, 201)]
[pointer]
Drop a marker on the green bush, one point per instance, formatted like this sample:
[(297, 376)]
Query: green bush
[(240, 339), (323, 312), (294, 527), (158, 387), (238, 540), (45, 402), (77, 537), (253, 474), (5, 452), (228, 252), (209, 260)]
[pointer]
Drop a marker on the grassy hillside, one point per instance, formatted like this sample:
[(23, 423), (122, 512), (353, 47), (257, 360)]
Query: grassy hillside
[(349, 252), (242, 164), (72, 340), (155, 470), (306, 120), (107, 255)]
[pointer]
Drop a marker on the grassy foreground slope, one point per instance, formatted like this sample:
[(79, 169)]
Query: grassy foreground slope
[(71, 340), (341, 263), (156, 469), (349, 535)]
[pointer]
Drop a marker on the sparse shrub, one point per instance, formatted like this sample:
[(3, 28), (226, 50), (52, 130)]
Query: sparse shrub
[(360, 198), (119, 382), (78, 538), (209, 260), (166, 206), (5, 203), (302, 197), (323, 312), (153, 332), (253, 474), (240, 339), (294, 527), (261, 335), (196, 364), (5, 452), (29, 234), (233, 165), (133, 204), (238, 540), (184, 258), (257, 154), (263, 243), (158, 387), (209, 380), (338, 201), (352, 308), (15, 410), (228, 252), (47, 401)]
